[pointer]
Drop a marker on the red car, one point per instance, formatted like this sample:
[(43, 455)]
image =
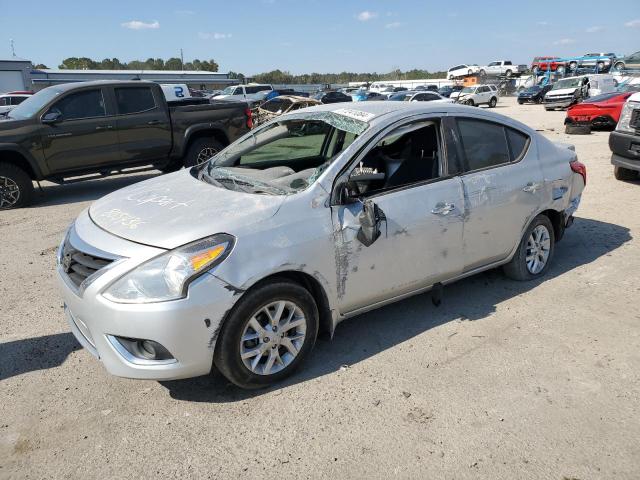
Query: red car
[(542, 64), (601, 111)]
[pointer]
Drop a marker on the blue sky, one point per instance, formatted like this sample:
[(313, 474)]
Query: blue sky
[(302, 36)]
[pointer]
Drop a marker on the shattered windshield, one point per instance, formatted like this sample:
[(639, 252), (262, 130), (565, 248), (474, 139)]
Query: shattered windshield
[(285, 156), (566, 83)]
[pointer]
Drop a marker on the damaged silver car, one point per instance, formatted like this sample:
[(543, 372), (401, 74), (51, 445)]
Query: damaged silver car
[(312, 218)]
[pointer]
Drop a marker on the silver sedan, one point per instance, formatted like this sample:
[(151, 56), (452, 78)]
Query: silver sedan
[(312, 218)]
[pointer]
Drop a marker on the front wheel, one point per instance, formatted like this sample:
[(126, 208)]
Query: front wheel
[(16, 187), (469, 102), (201, 150), (267, 335), (619, 66), (573, 66), (482, 73), (493, 102), (561, 69), (508, 73), (534, 254)]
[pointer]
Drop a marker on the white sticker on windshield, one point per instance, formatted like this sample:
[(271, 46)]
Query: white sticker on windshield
[(355, 114)]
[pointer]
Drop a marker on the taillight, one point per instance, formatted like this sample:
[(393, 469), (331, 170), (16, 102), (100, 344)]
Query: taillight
[(580, 168), (249, 114)]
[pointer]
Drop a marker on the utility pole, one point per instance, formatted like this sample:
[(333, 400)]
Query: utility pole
[(181, 60), (13, 49)]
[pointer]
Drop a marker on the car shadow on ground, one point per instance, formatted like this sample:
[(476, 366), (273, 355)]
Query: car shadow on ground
[(39, 353), (369, 334), (84, 191)]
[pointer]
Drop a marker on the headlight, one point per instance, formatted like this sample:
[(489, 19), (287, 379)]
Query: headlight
[(624, 124), (167, 276)]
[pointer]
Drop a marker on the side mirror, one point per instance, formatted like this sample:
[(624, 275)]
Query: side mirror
[(370, 219), (52, 117)]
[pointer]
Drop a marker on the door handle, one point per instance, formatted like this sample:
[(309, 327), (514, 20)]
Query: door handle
[(104, 127), (153, 122), (531, 187), (442, 208)]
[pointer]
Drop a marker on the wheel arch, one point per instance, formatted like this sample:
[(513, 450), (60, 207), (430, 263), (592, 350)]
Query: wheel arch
[(20, 160), (203, 131)]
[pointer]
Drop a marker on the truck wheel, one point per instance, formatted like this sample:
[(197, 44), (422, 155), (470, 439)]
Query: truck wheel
[(493, 102), (201, 150), (268, 333), (619, 66), (561, 69), (624, 174), (482, 73), (573, 66), (16, 187), (534, 254), (508, 73), (573, 129)]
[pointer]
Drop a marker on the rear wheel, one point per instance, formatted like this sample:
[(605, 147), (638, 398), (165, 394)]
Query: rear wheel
[(508, 73), (520, 102), (573, 66), (481, 72), (624, 174), (201, 150), (534, 254), (16, 187), (493, 102), (267, 335), (561, 69), (573, 129), (619, 66)]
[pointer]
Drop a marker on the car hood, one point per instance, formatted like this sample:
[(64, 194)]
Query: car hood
[(171, 210), (561, 91)]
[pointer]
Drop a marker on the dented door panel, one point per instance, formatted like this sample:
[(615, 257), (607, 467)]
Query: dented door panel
[(420, 244)]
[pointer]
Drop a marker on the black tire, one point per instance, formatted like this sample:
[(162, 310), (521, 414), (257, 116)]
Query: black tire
[(624, 174), (548, 109), (517, 267), (561, 69), (520, 102), (469, 102), (481, 72), (573, 129), (195, 154), (493, 102), (227, 351), (619, 66), (508, 73), (16, 187)]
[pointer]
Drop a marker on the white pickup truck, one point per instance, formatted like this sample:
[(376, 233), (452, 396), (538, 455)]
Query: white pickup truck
[(502, 67)]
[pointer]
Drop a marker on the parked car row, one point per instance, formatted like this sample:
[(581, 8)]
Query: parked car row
[(602, 62)]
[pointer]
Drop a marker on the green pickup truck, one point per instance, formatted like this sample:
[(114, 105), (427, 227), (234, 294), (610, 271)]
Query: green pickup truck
[(79, 130)]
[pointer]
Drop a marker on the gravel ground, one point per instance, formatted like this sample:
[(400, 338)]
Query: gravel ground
[(504, 380)]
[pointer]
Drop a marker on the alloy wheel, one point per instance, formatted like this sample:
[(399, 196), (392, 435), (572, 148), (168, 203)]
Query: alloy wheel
[(205, 154), (9, 192), (273, 337), (538, 249)]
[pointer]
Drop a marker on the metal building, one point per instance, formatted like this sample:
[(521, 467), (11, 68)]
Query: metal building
[(14, 74)]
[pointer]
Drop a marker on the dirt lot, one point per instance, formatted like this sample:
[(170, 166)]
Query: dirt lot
[(504, 380)]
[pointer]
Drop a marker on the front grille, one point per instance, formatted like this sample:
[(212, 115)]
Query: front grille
[(79, 265), (635, 118)]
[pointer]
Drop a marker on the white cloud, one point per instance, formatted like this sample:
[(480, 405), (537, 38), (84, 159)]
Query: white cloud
[(633, 23), (595, 29), (138, 25), (564, 41), (393, 25), (366, 16), (214, 35)]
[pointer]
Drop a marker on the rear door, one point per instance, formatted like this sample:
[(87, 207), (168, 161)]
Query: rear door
[(143, 125), (503, 187), (85, 136)]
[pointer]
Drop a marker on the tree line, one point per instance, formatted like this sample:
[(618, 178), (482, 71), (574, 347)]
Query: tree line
[(275, 76), (84, 63)]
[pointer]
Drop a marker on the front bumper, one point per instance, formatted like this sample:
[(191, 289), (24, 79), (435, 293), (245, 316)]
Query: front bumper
[(187, 328), (563, 102)]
